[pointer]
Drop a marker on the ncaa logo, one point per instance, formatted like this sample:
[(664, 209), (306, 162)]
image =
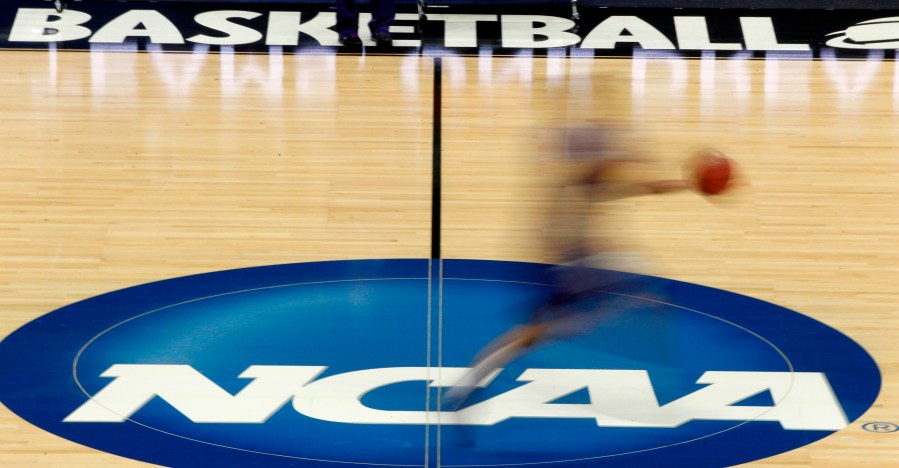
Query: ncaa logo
[(335, 363)]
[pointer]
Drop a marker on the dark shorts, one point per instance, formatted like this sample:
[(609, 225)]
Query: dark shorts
[(579, 290)]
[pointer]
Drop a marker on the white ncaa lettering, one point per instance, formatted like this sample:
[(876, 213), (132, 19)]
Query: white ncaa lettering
[(618, 398), (193, 394), (337, 398), (803, 400), (625, 398)]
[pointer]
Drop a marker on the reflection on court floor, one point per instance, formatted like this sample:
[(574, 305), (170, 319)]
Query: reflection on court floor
[(147, 147)]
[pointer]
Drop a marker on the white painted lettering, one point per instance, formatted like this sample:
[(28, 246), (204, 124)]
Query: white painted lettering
[(461, 30), (338, 398), (193, 394), (284, 28), (521, 31), (235, 34), (46, 25), (802, 401), (153, 25), (612, 30), (618, 398)]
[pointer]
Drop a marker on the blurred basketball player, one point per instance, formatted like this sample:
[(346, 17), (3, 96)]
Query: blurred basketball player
[(589, 158)]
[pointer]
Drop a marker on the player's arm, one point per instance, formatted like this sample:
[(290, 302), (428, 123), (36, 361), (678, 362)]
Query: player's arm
[(667, 186), (615, 191)]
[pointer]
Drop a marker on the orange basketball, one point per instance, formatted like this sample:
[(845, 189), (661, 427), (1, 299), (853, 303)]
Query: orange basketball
[(714, 172)]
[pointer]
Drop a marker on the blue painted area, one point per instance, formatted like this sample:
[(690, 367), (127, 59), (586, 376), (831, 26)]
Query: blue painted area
[(358, 315)]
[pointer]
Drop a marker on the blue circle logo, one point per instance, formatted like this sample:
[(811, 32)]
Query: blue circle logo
[(323, 364)]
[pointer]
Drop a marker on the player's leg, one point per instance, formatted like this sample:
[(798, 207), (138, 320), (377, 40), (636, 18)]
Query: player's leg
[(383, 13), (348, 23), (501, 351)]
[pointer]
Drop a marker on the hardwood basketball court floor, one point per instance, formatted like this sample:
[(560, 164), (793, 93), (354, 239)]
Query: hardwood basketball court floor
[(123, 168)]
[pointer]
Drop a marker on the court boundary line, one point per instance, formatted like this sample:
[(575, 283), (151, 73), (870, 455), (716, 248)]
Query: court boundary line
[(435, 263)]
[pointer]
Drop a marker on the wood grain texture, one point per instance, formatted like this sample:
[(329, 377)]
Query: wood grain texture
[(814, 226), (120, 169)]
